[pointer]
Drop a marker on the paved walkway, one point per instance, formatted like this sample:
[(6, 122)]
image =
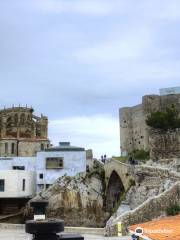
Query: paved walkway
[(21, 235)]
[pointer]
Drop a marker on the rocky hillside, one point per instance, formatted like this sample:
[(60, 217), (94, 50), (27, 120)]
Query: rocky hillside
[(156, 186), (78, 200)]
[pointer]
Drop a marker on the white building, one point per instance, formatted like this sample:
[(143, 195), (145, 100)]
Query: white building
[(58, 161), (17, 184), (41, 171), (167, 91)]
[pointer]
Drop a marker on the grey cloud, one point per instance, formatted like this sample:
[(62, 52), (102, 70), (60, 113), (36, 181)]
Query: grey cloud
[(70, 63)]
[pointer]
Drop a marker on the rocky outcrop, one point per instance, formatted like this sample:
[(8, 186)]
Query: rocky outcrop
[(150, 209), (78, 200)]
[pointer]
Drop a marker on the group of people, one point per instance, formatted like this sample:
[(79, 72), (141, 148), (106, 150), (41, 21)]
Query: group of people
[(103, 158), (132, 161)]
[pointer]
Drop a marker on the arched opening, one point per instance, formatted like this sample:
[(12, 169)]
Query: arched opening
[(114, 192), (9, 122), (22, 119), (16, 119)]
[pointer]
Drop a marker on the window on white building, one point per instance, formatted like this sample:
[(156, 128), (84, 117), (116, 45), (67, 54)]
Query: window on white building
[(41, 175), (54, 162), (18, 168), (2, 183), (12, 148), (23, 184), (6, 148)]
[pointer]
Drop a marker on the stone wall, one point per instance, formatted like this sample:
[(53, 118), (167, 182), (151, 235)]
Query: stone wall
[(134, 132), (22, 148), (122, 170), (30, 148), (151, 182), (164, 144)]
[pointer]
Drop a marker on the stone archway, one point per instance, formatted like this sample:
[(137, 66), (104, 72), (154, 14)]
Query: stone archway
[(115, 190)]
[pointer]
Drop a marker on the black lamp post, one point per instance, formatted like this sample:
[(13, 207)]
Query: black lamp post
[(39, 207), (47, 229)]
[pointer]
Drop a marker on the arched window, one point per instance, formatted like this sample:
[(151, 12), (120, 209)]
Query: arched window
[(9, 122), (22, 118), (16, 119)]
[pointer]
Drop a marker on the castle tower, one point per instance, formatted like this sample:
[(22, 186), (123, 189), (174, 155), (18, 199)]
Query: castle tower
[(43, 126)]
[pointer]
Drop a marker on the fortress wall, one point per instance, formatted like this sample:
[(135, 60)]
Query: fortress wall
[(138, 127), (168, 101), (126, 133), (135, 134), (150, 103), (164, 145), (133, 129)]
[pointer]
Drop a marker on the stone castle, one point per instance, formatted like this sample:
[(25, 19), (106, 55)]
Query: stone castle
[(136, 135), (21, 132)]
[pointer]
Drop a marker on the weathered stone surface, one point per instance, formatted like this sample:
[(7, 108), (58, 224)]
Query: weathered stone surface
[(164, 145), (21, 132), (78, 200), (150, 209), (134, 132), (123, 170), (152, 182)]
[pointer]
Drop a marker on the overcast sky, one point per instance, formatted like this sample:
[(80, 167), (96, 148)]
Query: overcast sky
[(78, 61)]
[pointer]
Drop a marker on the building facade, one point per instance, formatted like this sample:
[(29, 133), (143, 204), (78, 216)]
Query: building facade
[(17, 184), (22, 133), (47, 166), (26, 156), (58, 161), (134, 132)]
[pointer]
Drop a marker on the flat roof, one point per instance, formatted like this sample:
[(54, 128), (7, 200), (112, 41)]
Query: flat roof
[(64, 149), (161, 229)]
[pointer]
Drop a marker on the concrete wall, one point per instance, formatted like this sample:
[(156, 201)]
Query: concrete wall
[(74, 162), (28, 162), (13, 183)]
